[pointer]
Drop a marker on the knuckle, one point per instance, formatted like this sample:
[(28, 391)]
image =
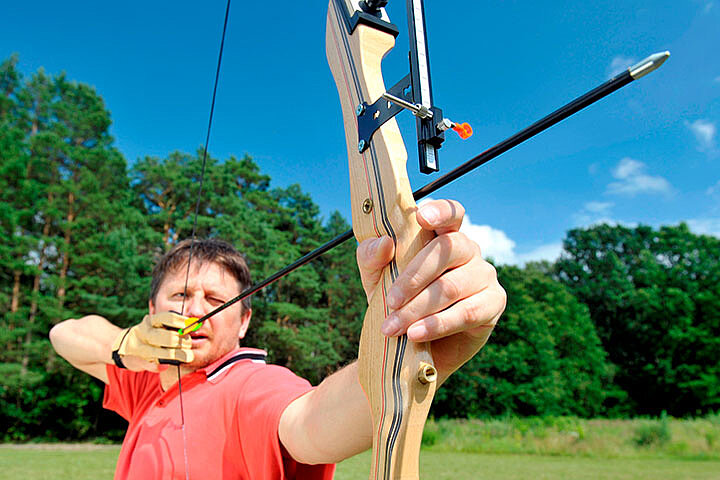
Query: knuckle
[(472, 313), (449, 288), (446, 241), (435, 325), (502, 292), (503, 298), (488, 271), (413, 282), (407, 315), (477, 247), (472, 246), (461, 244)]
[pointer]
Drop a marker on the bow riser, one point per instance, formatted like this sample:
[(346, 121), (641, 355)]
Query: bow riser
[(390, 369)]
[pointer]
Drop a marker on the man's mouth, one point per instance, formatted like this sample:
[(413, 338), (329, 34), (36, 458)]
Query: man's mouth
[(196, 336)]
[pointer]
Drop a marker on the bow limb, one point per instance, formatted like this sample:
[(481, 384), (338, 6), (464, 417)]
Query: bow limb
[(397, 375)]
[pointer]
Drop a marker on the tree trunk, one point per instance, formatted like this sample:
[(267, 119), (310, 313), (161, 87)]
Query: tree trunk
[(34, 296), (31, 319), (66, 254), (168, 221), (15, 302)]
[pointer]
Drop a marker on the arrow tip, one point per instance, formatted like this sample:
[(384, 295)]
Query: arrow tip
[(648, 65)]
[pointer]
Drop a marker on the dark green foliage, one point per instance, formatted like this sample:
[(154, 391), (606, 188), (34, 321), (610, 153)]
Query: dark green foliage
[(72, 246), (654, 297), (544, 357)]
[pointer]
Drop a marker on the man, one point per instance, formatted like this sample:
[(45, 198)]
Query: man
[(245, 419)]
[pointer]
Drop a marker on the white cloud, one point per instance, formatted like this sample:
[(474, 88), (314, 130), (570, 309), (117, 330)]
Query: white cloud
[(599, 207), (705, 226), (495, 244), (633, 180), (628, 167), (705, 132), (594, 213), (620, 63), (714, 189)]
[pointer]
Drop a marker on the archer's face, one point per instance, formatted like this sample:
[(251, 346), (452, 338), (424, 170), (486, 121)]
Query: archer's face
[(209, 286)]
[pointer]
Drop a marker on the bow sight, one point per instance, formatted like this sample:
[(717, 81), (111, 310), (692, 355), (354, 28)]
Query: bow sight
[(413, 92)]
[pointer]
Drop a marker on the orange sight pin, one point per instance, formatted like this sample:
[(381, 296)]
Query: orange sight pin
[(463, 129)]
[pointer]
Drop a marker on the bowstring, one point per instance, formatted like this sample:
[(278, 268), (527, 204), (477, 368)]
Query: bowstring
[(195, 219)]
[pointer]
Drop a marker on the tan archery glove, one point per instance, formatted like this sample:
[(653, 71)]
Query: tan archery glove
[(155, 339)]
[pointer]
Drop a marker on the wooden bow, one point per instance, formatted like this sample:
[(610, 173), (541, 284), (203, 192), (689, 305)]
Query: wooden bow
[(397, 375)]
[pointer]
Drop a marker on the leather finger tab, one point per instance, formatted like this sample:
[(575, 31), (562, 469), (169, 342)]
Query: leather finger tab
[(169, 320)]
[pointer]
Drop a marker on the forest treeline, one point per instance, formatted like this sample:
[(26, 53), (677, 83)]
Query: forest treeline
[(626, 322)]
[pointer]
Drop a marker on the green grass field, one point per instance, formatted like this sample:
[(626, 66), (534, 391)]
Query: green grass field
[(92, 462), (456, 466), (513, 448)]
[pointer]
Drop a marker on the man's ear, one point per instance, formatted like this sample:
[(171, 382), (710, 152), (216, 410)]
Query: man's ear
[(247, 313), (151, 307)]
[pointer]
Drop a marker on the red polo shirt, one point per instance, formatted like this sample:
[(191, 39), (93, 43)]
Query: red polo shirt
[(232, 413)]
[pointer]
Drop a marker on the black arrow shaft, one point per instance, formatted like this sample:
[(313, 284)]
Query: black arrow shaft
[(543, 124)]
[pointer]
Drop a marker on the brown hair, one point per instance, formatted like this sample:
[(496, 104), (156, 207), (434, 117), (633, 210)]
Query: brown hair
[(204, 251)]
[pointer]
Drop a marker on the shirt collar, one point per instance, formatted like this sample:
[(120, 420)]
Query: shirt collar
[(245, 352)]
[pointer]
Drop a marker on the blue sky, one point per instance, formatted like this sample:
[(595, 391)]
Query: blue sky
[(647, 154)]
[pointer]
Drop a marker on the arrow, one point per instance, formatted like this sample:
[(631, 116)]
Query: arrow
[(631, 74)]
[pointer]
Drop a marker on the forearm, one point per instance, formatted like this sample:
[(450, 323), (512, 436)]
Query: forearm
[(86, 343), (331, 423)]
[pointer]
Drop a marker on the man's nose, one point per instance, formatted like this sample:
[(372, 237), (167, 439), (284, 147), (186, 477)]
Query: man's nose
[(194, 307)]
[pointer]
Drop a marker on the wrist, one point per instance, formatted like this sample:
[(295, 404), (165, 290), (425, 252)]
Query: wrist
[(117, 348)]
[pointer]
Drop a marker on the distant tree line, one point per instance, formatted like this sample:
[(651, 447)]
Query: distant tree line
[(626, 322)]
